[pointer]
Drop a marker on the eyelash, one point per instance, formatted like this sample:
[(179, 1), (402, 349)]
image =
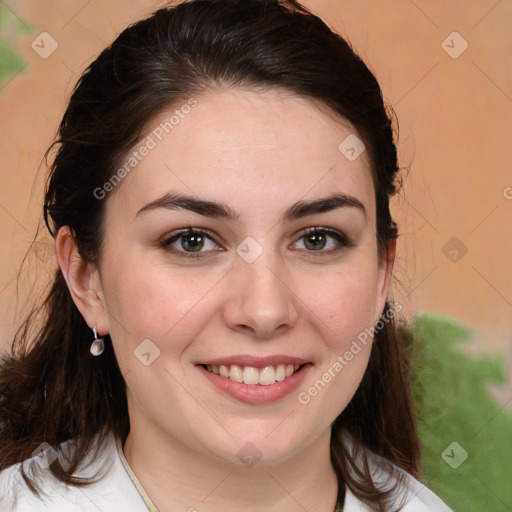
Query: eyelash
[(342, 239)]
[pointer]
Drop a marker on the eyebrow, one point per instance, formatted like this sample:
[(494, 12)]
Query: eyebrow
[(213, 209)]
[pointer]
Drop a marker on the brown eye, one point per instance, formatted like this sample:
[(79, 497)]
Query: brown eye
[(189, 243), (315, 241), (324, 240), (192, 242)]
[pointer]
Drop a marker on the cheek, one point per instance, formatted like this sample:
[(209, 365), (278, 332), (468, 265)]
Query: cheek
[(342, 312), (148, 301), (170, 309), (341, 308), (344, 302)]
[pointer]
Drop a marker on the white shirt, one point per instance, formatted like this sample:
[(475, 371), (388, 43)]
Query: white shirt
[(115, 491)]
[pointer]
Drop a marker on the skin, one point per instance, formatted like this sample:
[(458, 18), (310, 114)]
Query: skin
[(259, 153)]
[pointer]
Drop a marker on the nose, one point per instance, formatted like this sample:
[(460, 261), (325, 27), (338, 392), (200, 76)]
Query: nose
[(260, 300)]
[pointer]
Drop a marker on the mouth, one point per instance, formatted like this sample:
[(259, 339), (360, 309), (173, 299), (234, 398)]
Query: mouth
[(253, 376), (256, 380)]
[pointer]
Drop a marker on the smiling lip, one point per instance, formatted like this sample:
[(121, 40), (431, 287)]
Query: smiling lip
[(256, 393), (255, 362)]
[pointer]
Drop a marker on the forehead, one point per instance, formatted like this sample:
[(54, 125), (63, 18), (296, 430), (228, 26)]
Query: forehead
[(260, 149)]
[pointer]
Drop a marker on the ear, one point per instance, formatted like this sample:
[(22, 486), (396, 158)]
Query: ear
[(384, 279), (83, 280)]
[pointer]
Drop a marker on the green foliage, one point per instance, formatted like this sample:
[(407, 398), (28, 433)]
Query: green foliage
[(10, 28), (454, 405)]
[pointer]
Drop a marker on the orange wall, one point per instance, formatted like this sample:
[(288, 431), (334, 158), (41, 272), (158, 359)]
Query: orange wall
[(455, 119)]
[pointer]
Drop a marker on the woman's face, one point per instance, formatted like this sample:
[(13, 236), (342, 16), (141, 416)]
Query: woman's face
[(248, 288)]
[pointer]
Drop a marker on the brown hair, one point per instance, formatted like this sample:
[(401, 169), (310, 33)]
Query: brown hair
[(55, 390)]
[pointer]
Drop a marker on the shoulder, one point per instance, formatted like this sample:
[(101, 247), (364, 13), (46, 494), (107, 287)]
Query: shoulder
[(111, 492), (411, 495)]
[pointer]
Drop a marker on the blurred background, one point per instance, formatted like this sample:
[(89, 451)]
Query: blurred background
[(445, 69)]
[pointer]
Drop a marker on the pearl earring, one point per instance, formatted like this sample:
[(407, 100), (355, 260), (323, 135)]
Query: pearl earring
[(97, 346)]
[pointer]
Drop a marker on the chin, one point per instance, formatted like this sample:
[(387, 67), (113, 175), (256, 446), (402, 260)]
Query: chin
[(259, 448)]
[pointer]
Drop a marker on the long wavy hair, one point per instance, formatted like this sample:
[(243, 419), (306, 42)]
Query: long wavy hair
[(51, 389)]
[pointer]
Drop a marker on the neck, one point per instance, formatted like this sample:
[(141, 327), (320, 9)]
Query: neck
[(179, 478)]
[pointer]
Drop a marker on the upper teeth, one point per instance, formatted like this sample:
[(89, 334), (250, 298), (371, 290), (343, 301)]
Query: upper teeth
[(250, 375)]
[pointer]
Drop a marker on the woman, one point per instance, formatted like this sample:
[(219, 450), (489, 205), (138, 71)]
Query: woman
[(218, 335)]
